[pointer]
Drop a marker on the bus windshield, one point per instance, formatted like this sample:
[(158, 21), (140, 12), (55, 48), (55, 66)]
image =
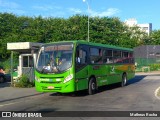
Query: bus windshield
[(54, 58)]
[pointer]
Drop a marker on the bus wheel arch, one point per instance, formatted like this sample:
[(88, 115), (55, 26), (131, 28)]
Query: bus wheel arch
[(92, 85), (124, 79)]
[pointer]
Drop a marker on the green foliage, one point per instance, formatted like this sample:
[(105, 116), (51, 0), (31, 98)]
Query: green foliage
[(155, 67), (104, 30), (155, 37), (152, 67), (23, 81), (6, 63)]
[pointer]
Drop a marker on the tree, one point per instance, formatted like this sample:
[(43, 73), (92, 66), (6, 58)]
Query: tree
[(105, 30), (155, 37)]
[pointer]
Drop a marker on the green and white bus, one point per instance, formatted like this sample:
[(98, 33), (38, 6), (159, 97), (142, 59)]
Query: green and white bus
[(78, 65)]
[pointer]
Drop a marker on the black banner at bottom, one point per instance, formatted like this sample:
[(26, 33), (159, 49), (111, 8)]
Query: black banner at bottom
[(80, 114)]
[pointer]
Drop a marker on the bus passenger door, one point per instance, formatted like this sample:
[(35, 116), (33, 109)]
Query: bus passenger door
[(81, 68)]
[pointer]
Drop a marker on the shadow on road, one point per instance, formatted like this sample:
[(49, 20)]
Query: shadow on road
[(46, 111), (27, 96), (82, 93), (73, 94), (136, 79)]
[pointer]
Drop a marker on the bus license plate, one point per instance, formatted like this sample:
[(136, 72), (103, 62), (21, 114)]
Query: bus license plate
[(50, 87)]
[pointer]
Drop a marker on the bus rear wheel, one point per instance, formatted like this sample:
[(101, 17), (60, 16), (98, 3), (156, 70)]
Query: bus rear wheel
[(92, 86), (124, 80)]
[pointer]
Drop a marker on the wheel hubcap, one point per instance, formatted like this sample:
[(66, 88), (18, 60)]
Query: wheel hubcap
[(125, 80), (93, 86)]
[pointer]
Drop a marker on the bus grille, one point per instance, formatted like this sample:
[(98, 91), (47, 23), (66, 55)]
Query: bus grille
[(50, 82)]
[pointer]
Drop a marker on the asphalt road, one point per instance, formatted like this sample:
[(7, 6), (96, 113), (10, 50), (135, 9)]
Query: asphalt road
[(138, 95)]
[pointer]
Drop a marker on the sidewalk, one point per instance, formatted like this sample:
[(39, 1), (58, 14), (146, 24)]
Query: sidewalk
[(148, 73), (8, 93)]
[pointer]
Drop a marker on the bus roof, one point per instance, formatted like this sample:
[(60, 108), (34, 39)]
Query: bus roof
[(94, 44)]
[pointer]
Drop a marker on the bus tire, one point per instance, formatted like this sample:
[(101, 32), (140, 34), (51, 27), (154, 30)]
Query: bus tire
[(124, 80), (92, 86)]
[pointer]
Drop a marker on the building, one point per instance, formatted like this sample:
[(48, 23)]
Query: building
[(144, 27), (27, 57), (147, 51), (147, 55)]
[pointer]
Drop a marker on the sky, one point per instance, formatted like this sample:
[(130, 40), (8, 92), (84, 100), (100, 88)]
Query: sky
[(144, 11)]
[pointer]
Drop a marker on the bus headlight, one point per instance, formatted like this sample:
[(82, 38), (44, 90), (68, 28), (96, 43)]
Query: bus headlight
[(68, 78)]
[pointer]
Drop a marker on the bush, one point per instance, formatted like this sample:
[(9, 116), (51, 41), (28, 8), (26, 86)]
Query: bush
[(155, 67), (23, 81), (7, 64)]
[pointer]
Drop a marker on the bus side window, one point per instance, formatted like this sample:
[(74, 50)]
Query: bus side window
[(117, 56), (131, 60), (96, 55), (81, 59), (125, 57), (81, 56), (108, 56)]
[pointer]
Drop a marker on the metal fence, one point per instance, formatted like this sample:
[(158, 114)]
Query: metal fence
[(147, 64), (29, 72)]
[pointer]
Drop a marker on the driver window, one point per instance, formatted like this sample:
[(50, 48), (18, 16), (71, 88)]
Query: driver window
[(81, 56)]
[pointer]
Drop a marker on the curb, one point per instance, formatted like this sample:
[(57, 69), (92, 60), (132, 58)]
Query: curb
[(148, 73), (157, 93)]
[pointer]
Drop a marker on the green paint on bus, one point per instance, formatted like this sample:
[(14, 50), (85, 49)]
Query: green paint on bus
[(78, 65)]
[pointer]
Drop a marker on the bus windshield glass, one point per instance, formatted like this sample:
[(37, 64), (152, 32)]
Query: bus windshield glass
[(54, 58)]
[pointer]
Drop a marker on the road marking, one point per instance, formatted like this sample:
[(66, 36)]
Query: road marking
[(8, 104), (157, 91)]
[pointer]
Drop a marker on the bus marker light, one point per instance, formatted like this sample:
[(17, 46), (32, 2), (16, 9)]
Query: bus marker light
[(58, 79), (68, 78)]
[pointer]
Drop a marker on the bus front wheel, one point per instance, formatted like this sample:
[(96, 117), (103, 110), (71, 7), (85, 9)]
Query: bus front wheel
[(92, 86), (124, 80)]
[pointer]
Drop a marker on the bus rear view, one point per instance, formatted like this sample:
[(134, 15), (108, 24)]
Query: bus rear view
[(54, 69)]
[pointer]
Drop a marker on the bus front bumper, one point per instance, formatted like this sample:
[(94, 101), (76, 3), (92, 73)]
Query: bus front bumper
[(59, 87)]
